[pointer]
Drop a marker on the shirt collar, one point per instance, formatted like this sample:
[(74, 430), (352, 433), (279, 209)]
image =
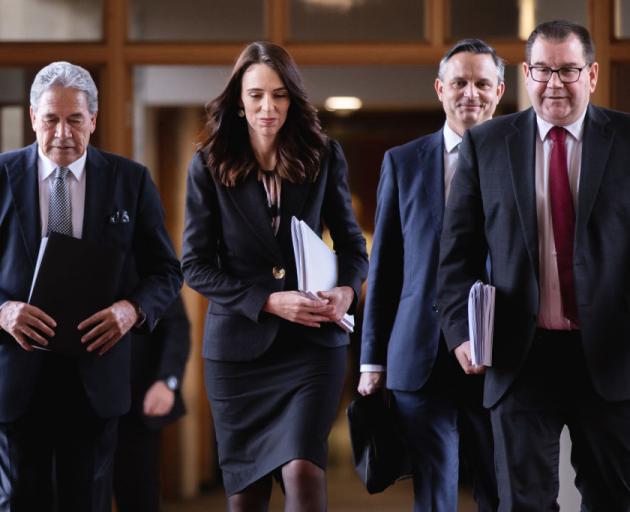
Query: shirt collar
[(451, 139), (46, 166), (576, 129)]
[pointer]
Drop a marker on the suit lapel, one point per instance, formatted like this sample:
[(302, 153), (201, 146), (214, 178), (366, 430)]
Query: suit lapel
[(22, 174), (249, 202), (293, 199), (100, 177), (521, 148), (431, 165), (596, 147)]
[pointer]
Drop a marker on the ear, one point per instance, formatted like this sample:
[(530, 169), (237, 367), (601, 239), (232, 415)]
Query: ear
[(525, 68), (93, 122), (500, 91), (439, 88), (33, 117), (593, 73)]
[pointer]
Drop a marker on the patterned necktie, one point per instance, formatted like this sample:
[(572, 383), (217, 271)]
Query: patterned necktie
[(563, 220), (59, 207)]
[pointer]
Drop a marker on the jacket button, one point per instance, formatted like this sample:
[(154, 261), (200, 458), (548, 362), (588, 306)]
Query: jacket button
[(278, 272), (435, 308)]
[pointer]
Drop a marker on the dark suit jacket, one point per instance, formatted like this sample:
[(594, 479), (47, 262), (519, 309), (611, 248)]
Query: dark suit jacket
[(230, 252), (400, 326), (150, 277), (492, 209), (157, 356)]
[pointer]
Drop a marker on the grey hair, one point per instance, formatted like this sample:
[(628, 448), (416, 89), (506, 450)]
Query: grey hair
[(478, 47), (64, 74)]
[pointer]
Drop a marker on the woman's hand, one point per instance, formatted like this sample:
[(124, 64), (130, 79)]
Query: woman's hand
[(340, 298), (295, 307)]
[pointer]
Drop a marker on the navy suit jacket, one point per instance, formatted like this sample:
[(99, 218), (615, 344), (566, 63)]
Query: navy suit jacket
[(150, 276), (400, 326), (230, 253), (492, 211)]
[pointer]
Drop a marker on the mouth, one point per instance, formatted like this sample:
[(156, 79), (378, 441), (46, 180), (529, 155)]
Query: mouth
[(470, 106), (267, 120), (62, 146)]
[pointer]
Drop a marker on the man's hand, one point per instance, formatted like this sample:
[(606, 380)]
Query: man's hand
[(340, 297), (370, 382), (462, 353), (295, 307), (23, 320), (158, 400), (108, 326)]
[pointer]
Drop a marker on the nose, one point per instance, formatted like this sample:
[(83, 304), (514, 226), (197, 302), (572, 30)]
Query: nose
[(267, 103), (554, 81), (470, 91), (62, 130)]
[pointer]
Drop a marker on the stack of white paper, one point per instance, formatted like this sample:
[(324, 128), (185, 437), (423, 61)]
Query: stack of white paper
[(481, 323), (316, 265)]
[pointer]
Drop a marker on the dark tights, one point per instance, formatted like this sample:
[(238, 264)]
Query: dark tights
[(304, 487)]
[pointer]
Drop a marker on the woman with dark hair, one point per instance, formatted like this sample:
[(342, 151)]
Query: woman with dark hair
[(274, 359)]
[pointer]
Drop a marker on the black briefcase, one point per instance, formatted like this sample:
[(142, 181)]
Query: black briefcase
[(380, 453)]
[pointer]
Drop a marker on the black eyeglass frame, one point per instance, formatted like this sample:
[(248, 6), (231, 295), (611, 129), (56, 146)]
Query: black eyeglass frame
[(531, 67)]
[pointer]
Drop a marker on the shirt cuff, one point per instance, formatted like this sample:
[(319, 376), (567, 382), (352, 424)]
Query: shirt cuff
[(372, 368)]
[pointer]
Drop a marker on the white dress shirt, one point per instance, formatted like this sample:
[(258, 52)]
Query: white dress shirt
[(550, 309), (76, 186), (451, 154)]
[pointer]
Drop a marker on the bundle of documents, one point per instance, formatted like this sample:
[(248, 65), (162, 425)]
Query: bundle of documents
[(481, 323), (316, 265)]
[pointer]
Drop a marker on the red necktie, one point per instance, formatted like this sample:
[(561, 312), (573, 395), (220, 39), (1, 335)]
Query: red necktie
[(563, 220)]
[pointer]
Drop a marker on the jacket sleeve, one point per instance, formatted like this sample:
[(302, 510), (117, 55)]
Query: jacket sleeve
[(348, 240), (173, 335), (386, 267), (463, 247), (160, 277), (201, 257)]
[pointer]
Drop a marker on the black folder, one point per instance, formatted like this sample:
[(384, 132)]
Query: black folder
[(74, 279)]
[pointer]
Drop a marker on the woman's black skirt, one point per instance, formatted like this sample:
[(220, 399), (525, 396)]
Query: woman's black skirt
[(275, 409)]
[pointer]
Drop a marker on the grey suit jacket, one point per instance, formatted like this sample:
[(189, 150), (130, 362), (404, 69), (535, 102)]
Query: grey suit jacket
[(492, 211)]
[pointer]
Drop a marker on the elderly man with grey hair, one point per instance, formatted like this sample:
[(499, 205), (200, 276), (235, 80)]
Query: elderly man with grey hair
[(58, 414)]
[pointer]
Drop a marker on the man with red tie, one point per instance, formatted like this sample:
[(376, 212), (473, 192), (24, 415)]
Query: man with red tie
[(544, 194)]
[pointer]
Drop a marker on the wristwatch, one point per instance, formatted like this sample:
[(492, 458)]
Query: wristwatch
[(172, 383)]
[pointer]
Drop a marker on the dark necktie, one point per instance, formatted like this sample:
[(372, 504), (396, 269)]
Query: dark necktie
[(59, 207), (563, 220)]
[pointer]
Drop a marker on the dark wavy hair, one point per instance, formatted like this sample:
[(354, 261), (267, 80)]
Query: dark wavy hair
[(301, 143)]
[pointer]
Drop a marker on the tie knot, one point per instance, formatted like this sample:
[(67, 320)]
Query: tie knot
[(558, 134), (61, 173)]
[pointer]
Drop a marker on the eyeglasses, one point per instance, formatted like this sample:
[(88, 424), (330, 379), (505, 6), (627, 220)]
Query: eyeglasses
[(565, 74)]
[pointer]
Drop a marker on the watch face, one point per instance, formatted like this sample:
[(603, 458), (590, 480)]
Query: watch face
[(171, 383)]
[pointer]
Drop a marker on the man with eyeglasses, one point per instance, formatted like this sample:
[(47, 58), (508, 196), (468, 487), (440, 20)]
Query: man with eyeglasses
[(545, 193)]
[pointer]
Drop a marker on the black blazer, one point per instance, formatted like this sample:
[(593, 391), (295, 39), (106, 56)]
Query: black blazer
[(492, 209), (150, 277), (230, 253), (401, 323), (157, 356)]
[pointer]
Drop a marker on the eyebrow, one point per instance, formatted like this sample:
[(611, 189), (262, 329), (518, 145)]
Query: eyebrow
[(259, 89), (565, 65)]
